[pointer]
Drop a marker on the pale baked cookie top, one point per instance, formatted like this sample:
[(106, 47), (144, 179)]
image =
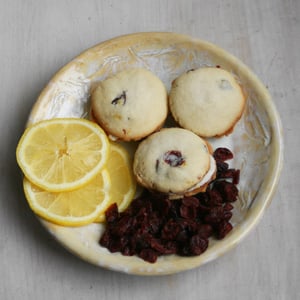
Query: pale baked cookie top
[(207, 101), (130, 105), (171, 161)]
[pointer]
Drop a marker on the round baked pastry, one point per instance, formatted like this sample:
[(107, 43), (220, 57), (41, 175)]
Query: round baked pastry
[(207, 101), (174, 161), (130, 105)]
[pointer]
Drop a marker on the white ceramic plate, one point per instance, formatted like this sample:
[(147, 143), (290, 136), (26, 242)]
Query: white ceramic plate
[(256, 140)]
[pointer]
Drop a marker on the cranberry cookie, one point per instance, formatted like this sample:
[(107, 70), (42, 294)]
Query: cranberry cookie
[(174, 161), (130, 105), (207, 101)]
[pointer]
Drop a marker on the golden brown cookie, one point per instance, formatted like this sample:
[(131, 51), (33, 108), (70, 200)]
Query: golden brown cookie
[(207, 101), (174, 161), (130, 105)]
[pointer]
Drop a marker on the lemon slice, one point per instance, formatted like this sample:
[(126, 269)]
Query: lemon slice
[(74, 208), (62, 154), (123, 184)]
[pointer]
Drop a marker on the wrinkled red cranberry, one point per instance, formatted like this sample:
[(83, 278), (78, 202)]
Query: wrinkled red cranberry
[(122, 226), (230, 173), (214, 198), (182, 237), (170, 230), (171, 247), (128, 251), (157, 245), (222, 166), (205, 231), (227, 189), (174, 158), (189, 225), (149, 255), (227, 215), (228, 207), (112, 213), (215, 215), (163, 247), (198, 245), (203, 209), (105, 239), (236, 177), (188, 212), (222, 154), (117, 245), (162, 205), (190, 201), (155, 222), (222, 229), (175, 209), (142, 241)]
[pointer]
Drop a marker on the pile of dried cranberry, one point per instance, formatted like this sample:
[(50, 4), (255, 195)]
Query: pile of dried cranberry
[(154, 225)]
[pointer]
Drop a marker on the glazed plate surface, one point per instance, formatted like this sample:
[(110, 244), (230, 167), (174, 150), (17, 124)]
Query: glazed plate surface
[(256, 140)]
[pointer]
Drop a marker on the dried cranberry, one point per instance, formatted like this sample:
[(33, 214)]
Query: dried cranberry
[(222, 229), (197, 245), (182, 237), (138, 204), (157, 245), (105, 239), (222, 154), (205, 230), (230, 173), (174, 158), (112, 213), (227, 215), (174, 211), (215, 215), (227, 207), (188, 212), (184, 250), (128, 251), (215, 198), (203, 210), (190, 201), (142, 241), (227, 189), (133, 241), (142, 215), (163, 247), (170, 247), (191, 225), (221, 167), (116, 245), (170, 230), (203, 197), (162, 205), (122, 226), (236, 177), (154, 222), (142, 228), (154, 196), (148, 255)]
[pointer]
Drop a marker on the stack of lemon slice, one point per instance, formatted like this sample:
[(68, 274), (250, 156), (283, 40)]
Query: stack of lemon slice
[(72, 171)]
